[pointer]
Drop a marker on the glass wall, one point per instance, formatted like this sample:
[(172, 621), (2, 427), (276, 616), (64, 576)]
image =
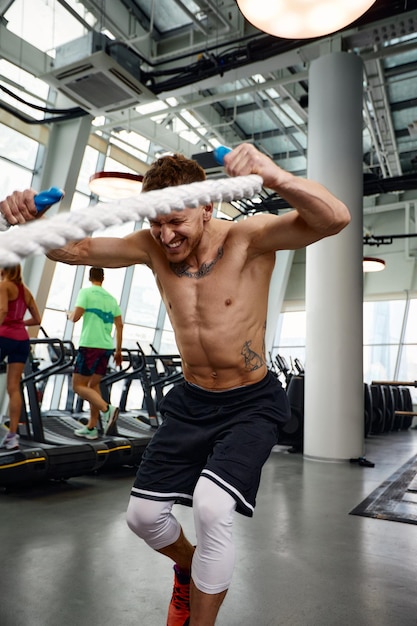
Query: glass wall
[(290, 339), (58, 25), (143, 308), (17, 157), (389, 340), (390, 332), (382, 339)]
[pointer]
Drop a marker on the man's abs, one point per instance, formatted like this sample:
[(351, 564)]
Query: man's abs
[(221, 380), (224, 364)]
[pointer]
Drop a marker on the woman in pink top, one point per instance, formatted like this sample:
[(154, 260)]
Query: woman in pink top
[(15, 300)]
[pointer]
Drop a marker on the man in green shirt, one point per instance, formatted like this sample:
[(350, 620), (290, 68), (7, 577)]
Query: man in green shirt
[(99, 310)]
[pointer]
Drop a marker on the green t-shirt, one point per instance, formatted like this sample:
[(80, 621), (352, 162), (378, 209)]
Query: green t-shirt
[(100, 310)]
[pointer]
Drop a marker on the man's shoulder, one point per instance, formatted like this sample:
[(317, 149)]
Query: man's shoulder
[(143, 235), (110, 296), (253, 225), (232, 229), (139, 247), (88, 292)]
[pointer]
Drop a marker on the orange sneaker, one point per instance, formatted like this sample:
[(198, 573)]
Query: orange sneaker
[(179, 608)]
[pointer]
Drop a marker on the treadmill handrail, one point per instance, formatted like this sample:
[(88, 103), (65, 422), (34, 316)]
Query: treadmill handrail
[(62, 363), (120, 374)]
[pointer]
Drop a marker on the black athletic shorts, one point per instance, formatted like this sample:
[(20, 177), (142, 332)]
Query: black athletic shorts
[(16, 350), (225, 436)]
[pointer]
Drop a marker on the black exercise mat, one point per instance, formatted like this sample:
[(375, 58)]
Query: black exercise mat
[(395, 499)]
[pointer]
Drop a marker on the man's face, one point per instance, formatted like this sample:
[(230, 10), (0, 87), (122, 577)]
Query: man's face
[(180, 232)]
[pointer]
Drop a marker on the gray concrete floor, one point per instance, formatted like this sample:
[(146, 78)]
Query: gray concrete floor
[(68, 557)]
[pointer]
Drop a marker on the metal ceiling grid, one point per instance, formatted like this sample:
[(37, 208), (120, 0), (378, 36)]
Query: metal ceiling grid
[(202, 57), (274, 116)]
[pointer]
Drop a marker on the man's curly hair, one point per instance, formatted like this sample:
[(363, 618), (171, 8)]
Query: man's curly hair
[(172, 170)]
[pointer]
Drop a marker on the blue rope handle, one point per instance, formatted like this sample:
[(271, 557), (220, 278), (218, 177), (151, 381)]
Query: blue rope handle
[(220, 152), (48, 197)]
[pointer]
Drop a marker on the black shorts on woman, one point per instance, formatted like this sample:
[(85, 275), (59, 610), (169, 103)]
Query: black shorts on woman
[(224, 436)]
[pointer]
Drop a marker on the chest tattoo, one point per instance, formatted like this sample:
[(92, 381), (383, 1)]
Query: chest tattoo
[(182, 269)]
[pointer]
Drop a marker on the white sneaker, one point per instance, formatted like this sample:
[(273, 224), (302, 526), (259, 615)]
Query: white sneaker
[(11, 441), (109, 418), (86, 432)]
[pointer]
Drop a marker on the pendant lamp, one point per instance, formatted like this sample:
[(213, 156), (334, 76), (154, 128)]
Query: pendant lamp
[(372, 264), (115, 185), (302, 19)]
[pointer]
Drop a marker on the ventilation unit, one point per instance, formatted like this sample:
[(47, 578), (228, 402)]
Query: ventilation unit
[(98, 74)]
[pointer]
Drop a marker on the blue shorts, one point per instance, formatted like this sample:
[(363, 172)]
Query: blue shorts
[(225, 436), (16, 350), (91, 361)]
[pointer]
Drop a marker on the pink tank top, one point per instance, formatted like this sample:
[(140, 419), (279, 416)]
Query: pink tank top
[(13, 326)]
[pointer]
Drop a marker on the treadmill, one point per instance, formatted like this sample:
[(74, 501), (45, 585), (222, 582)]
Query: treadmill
[(144, 368), (23, 465), (53, 425), (135, 426), (162, 370), (65, 456), (26, 465)]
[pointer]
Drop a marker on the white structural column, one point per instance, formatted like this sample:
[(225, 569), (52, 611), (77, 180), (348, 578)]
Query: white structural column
[(64, 156), (334, 414)]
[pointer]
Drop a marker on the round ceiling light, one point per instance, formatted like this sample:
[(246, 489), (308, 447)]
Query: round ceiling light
[(302, 19), (115, 185), (372, 264)]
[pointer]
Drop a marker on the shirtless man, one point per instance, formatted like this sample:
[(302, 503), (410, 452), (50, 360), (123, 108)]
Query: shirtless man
[(222, 422)]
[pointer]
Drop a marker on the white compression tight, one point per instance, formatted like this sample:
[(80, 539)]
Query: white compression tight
[(214, 509)]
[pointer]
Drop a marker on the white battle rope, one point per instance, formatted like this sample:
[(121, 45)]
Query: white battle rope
[(46, 234)]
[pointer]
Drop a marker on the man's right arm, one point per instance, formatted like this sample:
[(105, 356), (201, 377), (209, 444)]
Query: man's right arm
[(109, 252), (19, 208), (76, 314), (118, 322)]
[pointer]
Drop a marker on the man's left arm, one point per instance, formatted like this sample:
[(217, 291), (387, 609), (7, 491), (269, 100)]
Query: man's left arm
[(318, 213)]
